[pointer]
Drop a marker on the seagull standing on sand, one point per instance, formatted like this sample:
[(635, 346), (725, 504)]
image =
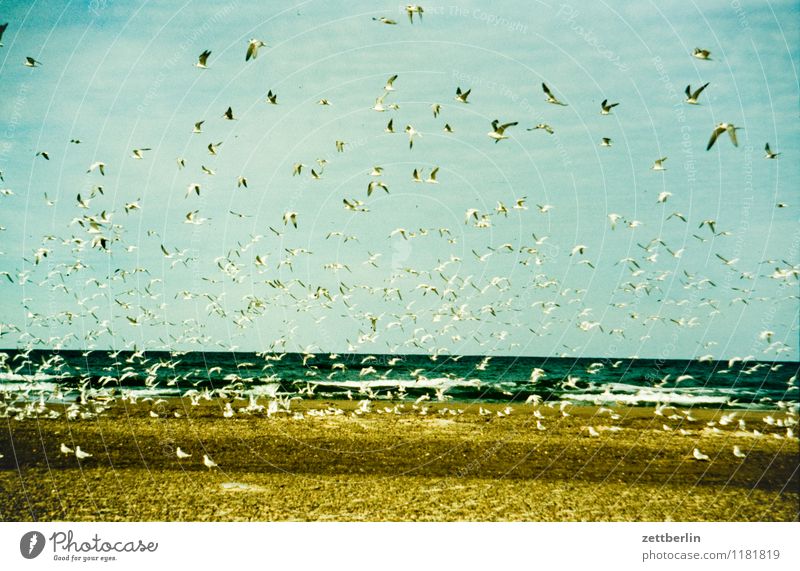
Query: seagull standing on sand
[(80, 454)]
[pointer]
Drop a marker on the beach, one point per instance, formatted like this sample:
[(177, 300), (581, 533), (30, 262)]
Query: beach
[(394, 463)]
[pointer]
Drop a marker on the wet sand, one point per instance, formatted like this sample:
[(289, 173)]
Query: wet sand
[(388, 466)]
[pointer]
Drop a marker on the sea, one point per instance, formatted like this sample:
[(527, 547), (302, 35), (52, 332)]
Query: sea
[(71, 375)]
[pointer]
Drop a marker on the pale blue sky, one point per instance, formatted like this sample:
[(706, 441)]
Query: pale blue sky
[(120, 76)]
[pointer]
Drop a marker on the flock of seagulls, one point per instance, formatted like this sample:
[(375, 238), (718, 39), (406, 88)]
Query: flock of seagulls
[(426, 308)]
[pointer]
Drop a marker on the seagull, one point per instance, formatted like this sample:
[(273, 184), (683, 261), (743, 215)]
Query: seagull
[(768, 154), (658, 165), (436, 108), (606, 142), (390, 83), (550, 97), (30, 62), (100, 166), (700, 456), (208, 462), (721, 128), (290, 217), (202, 60), (212, 148), (137, 153), (2, 30), (497, 132), (462, 95), (447, 128), (606, 107), (228, 114), (190, 218), (272, 98), (197, 127), (181, 454), (376, 184), (66, 449), (389, 126), (323, 102), (544, 127), (411, 133), (385, 20), (432, 177), (44, 155), (691, 97), (412, 9), (252, 49), (701, 54), (738, 452), (80, 454)]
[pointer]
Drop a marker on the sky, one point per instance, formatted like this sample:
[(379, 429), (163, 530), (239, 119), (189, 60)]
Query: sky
[(121, 76)]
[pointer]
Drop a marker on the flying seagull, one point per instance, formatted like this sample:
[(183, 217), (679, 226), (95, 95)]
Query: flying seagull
[(290, 217), (98, 165), (543, 126), (701, 54), (2, 30), (228, 114), (202, 60), (497, 132), (411, 9), (550, 97), (691, 97), (30, 62), (385, 20), (462, 95), (252, 49), (721, 128), (658, 165), (606, 107), (768, 154)]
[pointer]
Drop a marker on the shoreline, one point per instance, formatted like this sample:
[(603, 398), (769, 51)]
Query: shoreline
[(394, 463)]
